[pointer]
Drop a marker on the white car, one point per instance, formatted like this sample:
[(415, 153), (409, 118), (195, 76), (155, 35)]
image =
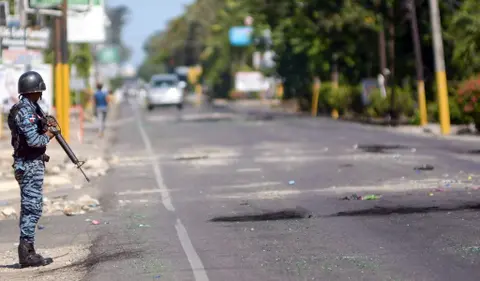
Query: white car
[(165, 89)]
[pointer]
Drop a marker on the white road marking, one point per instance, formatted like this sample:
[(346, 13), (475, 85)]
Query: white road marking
[(199, 272), (195, 262), (248, 185), (166, 200), (248, 170)]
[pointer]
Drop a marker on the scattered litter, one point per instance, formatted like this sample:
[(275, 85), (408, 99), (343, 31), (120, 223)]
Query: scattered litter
[(426, 167), (95, 222), (40, 227), (88, 220), (371, 197), (352, 197), (346, 165), (469, 178), (431, 194), (439, 189), (143, 225), (472, 249), (190, 158), (413, 150), (291, 182), (158, 276), (365, 197)]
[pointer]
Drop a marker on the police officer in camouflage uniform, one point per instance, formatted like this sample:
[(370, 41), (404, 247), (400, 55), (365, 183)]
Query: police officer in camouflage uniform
[(30, 136)]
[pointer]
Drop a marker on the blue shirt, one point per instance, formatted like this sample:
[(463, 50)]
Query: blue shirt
[(100, 99)]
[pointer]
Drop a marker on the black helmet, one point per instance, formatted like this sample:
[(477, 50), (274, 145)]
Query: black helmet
[(31, 82)]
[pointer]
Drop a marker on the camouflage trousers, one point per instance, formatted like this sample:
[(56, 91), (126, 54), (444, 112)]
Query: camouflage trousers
[(29, 175)]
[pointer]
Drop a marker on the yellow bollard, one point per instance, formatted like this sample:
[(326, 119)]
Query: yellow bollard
[(422, 103), (443, 107), (335, 114), (280, 91), (198, 92)]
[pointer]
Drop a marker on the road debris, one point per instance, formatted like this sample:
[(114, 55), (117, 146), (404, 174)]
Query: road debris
[(69, 207), (425, 167), (371, 197), (9, 213), (190, 157), (95, 222), (292, 182), (365, 197)]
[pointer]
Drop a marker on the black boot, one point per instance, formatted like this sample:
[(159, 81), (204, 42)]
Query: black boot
[(29, 258)]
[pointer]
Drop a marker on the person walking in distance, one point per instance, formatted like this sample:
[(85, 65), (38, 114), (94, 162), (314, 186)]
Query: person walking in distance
[(30, 136), (100, 99)]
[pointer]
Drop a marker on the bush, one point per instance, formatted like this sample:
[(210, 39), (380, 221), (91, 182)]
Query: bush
[(379, 106), (457, 116), (468, 96), (344, 99)]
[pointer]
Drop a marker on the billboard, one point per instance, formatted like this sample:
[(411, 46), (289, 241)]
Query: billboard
[(240, 36), (88, 26), (19, 56), (252, 81), (108, 55), (28, 37), (37, 4), (8, 85)]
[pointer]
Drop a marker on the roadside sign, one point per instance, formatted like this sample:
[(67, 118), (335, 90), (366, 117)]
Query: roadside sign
[(37, 4), (368, 86), (240, 36), (109, 55), (28, 37), (88, 26), (251, 81), (12, 56)]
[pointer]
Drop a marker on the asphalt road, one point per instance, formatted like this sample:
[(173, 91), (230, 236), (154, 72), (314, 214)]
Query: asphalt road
[(216, 195)]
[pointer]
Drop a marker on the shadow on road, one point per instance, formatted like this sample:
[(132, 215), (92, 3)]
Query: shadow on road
[(403, 210), (380, 148), (288, 214)]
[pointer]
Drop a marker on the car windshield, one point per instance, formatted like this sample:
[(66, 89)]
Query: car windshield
[(164, 83)]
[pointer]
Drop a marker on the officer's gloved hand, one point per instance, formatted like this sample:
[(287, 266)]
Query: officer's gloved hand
[(50, 134), (51, 121)]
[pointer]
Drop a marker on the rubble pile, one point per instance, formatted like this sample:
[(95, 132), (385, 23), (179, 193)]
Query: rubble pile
[(69, 207)]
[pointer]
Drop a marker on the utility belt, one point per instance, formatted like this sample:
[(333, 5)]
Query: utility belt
[(44, 157)]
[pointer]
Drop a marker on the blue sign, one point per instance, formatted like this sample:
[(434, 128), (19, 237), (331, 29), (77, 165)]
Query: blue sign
[(240, 36)]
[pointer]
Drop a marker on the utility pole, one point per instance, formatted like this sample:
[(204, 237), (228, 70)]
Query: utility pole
[(381, 39), (65, 74), (422, 101), (391, 49), (443, 108), (59, 103)]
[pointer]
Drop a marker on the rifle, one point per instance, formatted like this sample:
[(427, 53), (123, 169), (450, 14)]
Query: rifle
[(56, 130)]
